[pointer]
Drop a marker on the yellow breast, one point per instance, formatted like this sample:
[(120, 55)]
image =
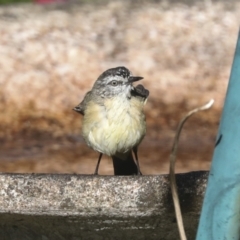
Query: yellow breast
[(115, 127)]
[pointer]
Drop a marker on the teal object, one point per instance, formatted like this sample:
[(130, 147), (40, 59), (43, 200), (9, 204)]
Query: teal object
[(220, 217)]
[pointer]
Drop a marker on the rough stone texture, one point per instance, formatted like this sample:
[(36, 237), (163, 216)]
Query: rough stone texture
[(51, 206)]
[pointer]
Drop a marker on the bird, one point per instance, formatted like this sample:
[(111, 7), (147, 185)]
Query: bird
[(114, 122)]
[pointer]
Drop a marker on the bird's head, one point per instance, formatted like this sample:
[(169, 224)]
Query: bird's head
[(115, 81)]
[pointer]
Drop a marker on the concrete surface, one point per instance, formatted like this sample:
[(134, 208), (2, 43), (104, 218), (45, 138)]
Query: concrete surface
[(57, 206)]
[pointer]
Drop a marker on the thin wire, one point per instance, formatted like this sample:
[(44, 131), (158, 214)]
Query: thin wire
[(172, 168)]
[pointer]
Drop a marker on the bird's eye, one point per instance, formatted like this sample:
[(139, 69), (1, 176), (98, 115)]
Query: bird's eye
[(114, 83)]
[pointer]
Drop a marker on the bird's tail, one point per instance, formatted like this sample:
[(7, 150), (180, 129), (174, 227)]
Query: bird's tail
[(124, 165)]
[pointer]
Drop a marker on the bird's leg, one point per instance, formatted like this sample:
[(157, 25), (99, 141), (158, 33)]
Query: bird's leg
[(136, 157), (98, 163)]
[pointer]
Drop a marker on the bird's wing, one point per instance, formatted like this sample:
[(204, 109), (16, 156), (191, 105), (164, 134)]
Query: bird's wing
[(80, 108), (140, 92)]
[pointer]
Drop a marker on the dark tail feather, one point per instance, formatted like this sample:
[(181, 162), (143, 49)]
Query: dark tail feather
[(126, 166)]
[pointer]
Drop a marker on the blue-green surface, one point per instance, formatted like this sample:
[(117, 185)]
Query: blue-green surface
[(220, 217)]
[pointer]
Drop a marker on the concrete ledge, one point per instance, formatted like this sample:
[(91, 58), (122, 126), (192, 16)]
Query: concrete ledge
[(44, 206)]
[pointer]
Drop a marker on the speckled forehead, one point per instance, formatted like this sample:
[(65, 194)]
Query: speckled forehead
[(123, 72), (117, 73)]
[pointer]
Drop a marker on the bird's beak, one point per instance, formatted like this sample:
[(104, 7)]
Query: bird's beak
[(134, 79), (78, 109)]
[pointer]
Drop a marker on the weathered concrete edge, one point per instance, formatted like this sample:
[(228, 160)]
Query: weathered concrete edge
[(87, 195)]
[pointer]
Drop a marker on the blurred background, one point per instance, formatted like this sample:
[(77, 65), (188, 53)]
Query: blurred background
[(51, 52)]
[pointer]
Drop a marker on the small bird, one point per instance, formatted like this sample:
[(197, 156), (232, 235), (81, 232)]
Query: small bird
[(113, 118)]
